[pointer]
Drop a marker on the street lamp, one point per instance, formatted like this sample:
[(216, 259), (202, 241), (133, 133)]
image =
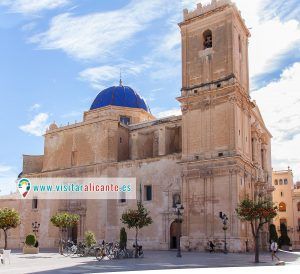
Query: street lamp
[(178, 212), (35, 227), (224, 219)]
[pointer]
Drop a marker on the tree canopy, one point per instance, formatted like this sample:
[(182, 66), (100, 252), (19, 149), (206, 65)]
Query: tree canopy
[(64, 219), (9, 218), (257, 212), (136, 218)]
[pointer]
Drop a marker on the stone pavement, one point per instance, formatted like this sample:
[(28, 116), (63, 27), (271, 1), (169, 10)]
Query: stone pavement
[(51, 262)]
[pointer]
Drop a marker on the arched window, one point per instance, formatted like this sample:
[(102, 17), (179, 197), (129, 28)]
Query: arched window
[(282, 206), (207, 39), (298, 206), (280, 181), (285, 181), (276, 182)]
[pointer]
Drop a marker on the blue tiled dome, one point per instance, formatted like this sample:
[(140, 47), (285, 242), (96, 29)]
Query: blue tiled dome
[(122, 96)]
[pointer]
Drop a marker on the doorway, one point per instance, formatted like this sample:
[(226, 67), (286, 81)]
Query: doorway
[(72, 234), (173, 235)]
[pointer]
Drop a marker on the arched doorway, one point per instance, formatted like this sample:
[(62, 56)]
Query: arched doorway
[(173, 235)]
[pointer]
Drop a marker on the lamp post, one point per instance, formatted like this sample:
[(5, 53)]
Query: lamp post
[(35, 227), (224, 219), (178, 212)]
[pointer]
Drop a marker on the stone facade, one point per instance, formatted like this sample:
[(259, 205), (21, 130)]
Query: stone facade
[(212, 156), (287, 198)]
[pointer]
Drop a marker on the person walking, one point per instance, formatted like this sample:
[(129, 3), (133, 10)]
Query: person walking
[(211, 247), (274, 248)]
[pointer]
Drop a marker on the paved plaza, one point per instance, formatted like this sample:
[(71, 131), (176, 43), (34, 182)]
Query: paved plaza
[(51, 262)]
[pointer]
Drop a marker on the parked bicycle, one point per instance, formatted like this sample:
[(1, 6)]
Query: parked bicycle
[(68, 248), (84, 250), (112, 251), (140, 252)]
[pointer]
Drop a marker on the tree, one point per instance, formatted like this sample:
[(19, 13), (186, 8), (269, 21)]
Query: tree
[(89, 238), (258, 213), (273, 233), (64, 220), (9, 218), (284, 238), (123, 238), (136, 218)]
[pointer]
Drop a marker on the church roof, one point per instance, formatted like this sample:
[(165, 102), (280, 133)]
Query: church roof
[(122, 96)]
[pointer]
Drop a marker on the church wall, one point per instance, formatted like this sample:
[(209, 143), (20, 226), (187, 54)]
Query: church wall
[(81, 145), (123, 144), (32, 163), (164, 175)]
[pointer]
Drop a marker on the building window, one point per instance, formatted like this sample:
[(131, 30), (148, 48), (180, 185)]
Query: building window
[(123, 197), (74, 158), (148, 193), (207, 38), (125, 120), (298, 206), (276, 182), (120, 140), (176, 199), (285, 181), (240, 44), (280, 181), (34, 203), (281, 194), (282, 207)]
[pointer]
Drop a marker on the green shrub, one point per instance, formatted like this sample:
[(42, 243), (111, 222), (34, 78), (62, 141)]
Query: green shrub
[(89, 238), (30, 240), (123, 238)]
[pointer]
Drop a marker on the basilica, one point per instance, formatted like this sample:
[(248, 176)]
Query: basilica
[(209, 158)]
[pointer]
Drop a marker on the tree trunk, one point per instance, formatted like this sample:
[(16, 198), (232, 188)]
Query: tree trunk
[(60, 247), (257, 248), (136, 244), (5, 239)]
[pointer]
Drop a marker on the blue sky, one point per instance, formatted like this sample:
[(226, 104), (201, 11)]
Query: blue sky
[(56, 55)]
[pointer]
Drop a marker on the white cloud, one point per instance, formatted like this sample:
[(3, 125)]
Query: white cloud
[(8, 176), (167, 113), (101, 76), (279, 103), (270, 37), (37, 126), (4, 169), (32, 6), (97, 35), (28, 27), (34, 107)]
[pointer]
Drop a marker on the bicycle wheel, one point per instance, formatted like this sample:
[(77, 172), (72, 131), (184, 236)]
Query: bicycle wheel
[(100, 254), (74, 250), (66, 251), (122, 254)]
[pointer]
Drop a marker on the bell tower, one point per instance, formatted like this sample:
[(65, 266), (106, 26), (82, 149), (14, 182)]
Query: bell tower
[(215, 81), (214, 47), (226, 147)]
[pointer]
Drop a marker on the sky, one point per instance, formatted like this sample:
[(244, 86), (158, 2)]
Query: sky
[(57, 55)]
